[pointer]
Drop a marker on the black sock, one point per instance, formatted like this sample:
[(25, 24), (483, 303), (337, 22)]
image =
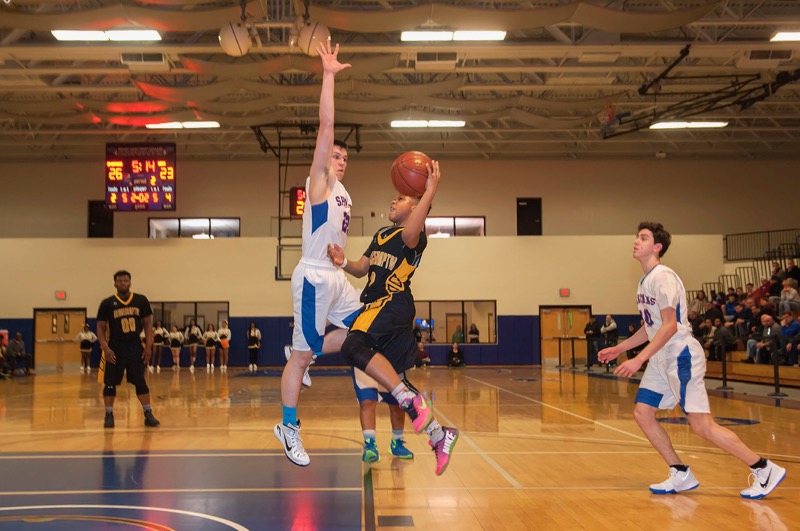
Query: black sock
[(761, 463), (680, 468)]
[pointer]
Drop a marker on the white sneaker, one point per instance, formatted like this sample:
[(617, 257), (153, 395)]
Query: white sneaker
[(208, 366), (289, 436), (677, 482), (150, 368), (174, 367), (762, 481), (158, 368), (287, 351), (191, 368)]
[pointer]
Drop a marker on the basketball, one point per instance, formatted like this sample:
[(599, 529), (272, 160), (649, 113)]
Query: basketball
[(311, 35), (410, 173)]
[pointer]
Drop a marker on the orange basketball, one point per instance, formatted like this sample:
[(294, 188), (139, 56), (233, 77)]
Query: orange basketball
[(410, 173)]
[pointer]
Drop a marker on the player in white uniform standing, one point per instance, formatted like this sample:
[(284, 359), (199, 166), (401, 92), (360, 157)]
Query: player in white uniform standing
[(676, 371), (320, 291)]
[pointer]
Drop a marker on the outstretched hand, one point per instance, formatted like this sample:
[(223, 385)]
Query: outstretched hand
[(330, 58), (434, 176)]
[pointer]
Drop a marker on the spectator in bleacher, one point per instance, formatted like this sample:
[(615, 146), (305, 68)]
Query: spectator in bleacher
[(698, 304), (790, 344), (775, 288), (777, 272), (695, 321), (755, 322), (707, 330), (792, 271), (740, 294), (762, 291), (741, 320), (713, 312), (632, 328), (749, 289), (592, 333), (790, 300), (730, 307), (722, 342), (770, 340), (716, 298), (766, 306), (790, 339)]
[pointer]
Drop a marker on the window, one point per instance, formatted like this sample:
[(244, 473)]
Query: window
[(451, 321), (180, 313), (198, 228), (447, 227)]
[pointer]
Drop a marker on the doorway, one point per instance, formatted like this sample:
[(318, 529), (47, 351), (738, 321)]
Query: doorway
[(557, 323), (54, 342)]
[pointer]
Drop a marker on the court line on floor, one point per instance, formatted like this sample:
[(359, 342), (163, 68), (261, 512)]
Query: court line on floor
[(570, 413), (463, 436), (154, 455), (181, 491)]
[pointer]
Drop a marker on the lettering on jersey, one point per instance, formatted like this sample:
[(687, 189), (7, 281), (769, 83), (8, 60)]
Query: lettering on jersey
[(342, 201), (125, 312), (382, 259), (645, 299)]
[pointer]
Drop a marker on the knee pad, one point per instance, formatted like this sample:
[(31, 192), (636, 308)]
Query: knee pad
[(356, 351), (109, 390)]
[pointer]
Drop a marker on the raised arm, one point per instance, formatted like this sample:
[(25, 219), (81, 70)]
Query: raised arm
[(415, 223), (321, 181)]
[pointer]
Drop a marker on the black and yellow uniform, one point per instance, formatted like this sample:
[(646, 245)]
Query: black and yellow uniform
[(124, 318), (388, 317)]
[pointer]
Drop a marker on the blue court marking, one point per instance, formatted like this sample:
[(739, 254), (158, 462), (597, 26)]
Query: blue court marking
[(175, 490), (272, 373), (722, 421)]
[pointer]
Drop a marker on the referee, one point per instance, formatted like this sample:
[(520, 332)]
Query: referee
[(120, 319)]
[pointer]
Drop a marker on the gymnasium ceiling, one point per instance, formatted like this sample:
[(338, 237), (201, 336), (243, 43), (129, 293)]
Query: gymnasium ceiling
[(544, 92)]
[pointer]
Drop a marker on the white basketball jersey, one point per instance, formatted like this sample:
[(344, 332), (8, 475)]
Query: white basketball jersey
[(662, 288), (326, 223)]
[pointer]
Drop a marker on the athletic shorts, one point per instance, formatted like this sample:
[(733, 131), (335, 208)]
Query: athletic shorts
[(368, 389), (320, 294), (129, 363), (675, 376)]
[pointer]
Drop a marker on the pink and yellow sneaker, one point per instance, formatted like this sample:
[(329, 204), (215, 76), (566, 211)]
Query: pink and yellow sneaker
[(419, 411), (444, 449)]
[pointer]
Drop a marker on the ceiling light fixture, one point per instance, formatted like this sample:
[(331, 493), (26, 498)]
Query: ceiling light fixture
[(427, 123), (110, 35), (444, 35), (688, 125), (786, 36), (184, 125)]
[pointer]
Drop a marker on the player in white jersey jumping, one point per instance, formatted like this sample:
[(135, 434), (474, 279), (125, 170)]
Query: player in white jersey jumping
[(676, 371), (320, 291)]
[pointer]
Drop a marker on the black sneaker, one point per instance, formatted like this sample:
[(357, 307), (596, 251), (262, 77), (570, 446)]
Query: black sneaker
[(109, 422), (150, 420)]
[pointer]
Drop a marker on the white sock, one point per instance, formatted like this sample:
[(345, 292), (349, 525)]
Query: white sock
[(402, 393), (369, 434), (434, 431)]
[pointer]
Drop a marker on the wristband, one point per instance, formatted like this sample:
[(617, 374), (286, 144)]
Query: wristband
[(344, 264)]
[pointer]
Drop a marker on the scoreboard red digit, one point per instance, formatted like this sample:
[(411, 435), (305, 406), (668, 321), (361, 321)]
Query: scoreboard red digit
[(297, 202), (140, 177)]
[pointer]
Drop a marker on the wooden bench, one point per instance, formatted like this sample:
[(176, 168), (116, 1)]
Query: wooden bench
[(747, 372)]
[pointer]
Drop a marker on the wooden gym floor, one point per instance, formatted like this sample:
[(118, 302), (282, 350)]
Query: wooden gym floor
[(539, 449)]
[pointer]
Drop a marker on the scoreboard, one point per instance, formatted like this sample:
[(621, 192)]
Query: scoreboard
[(140, 177), (297, 202)]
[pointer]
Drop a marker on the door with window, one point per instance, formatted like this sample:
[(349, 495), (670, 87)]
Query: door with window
[(54, 337), (556, 325)]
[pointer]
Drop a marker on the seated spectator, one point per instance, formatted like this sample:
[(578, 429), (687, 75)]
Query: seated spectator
[(792, 271), (766, 306), (741, 320), (748, 290), (762, 291), (790, 300), (740, 294), (455, 358), (695, 321), (730, 307), (775, 288), (713, 312), (423, 360), (5, 367), (721, 343), (474, 334), (761, 350), (698, 304), (17, 357), (790, 339), (707, 329)]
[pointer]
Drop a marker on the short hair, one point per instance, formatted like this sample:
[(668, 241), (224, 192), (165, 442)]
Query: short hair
[(122, 273), (660, 235), (341, 143)]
